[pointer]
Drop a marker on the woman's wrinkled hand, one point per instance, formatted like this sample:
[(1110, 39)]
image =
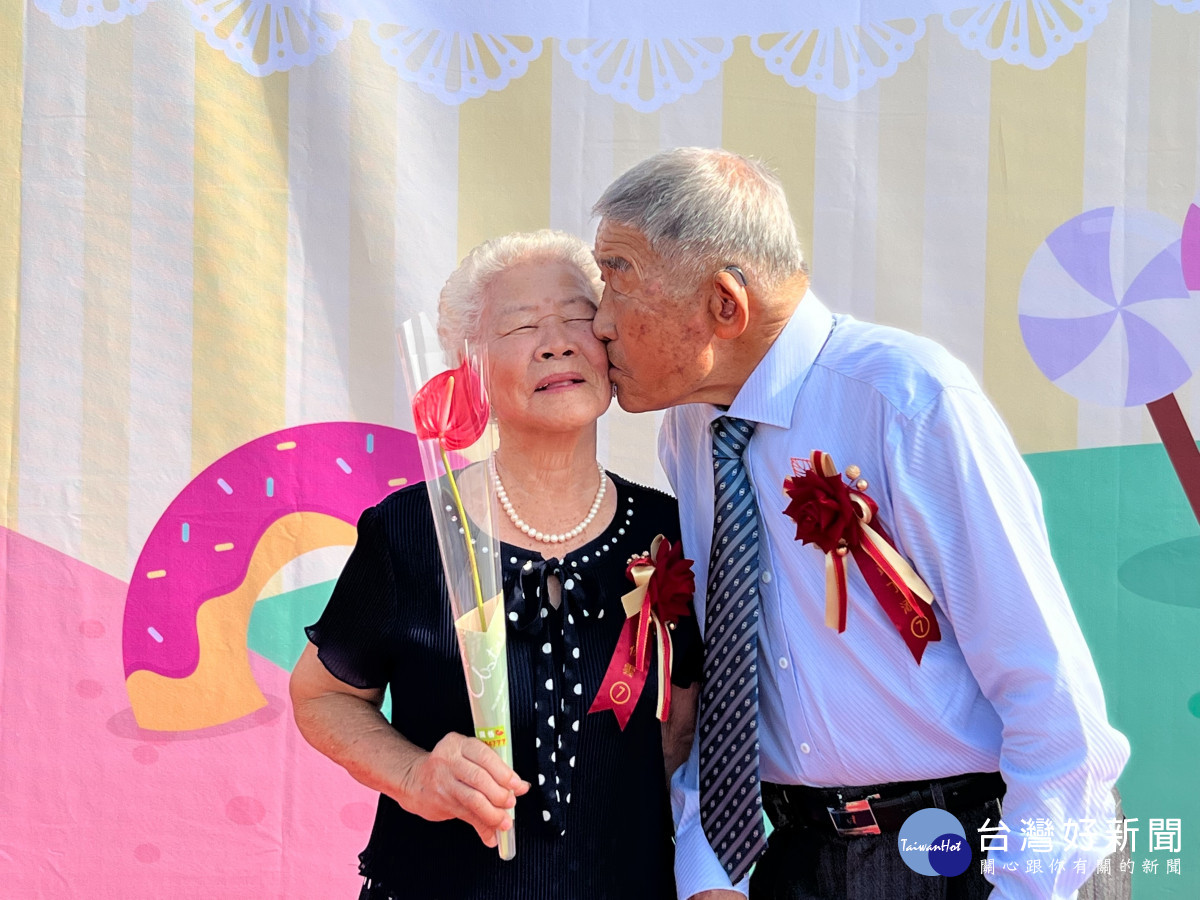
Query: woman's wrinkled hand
[(463, 778)]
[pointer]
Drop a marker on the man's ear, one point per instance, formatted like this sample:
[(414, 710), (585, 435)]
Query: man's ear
[(729, 305)]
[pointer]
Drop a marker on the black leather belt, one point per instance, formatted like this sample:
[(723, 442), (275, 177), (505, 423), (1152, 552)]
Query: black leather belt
[(876, 808)]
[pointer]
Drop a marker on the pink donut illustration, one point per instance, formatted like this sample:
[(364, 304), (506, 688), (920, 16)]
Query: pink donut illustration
[(219, 541)]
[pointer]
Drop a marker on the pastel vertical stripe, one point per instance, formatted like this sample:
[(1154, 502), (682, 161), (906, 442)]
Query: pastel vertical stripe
[(765, 117), (504, 158), (1172, 112), (1035, 183), (1173, 108), (954, 259), (628, 445), (900, 214), (160, 321), (582, 136), (1115, 166), (694, 120), (51, 377), (12, 53), (635, 137), (1117, 107), (845, 202), (240, 245), (318, 266), (106, 284), (426, 202), (374, 219)]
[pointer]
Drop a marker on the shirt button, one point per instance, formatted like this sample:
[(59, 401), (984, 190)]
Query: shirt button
[(783, 663), (804, 748), (766, 577)]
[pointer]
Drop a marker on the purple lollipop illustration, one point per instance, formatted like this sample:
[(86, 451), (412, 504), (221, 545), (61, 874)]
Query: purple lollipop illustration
[(1108, 313)]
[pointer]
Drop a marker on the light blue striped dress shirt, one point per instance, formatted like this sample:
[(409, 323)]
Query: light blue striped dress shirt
[(1011, 686)]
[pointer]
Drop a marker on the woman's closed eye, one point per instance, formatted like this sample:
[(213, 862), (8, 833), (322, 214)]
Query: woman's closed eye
[(579, 322)]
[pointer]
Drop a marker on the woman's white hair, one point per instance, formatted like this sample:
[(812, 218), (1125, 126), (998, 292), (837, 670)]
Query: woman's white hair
[(703, 209), (465, 293)]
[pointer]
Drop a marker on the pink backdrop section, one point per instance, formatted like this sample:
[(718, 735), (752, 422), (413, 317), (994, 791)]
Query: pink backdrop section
[(235, 811)]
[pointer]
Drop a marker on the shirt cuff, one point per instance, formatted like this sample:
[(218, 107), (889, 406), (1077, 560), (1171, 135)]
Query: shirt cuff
[(1058, 871), (696, 865)]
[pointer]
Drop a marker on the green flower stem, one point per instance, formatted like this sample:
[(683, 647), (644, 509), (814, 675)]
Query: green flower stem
[(462, 517)]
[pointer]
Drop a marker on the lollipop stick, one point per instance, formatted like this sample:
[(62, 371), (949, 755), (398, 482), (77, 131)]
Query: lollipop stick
[(1180, 446)]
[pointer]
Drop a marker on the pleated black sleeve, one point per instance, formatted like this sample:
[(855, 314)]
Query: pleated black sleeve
[(356, 633)]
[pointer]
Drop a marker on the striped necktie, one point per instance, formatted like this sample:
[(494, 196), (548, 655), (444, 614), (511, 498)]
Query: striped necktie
[(730, 800)]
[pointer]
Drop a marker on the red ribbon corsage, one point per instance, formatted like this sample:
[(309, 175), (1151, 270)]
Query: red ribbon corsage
[(840, 518), (664, 585)]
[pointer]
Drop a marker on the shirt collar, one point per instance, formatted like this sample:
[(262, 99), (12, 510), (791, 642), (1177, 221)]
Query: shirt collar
[(769, 394)]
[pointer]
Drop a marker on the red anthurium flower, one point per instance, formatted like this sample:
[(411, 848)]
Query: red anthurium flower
[(822, 510), (673, 583), (451, 408)]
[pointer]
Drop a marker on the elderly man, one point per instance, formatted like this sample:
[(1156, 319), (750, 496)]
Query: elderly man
[(842, 694)]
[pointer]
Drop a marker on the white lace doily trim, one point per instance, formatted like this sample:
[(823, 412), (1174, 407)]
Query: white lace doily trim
[(1183, 6), (454, 66), (1031, 33), (458, 50), (646, 74), (78, 13), (840, 62), (264, 36)]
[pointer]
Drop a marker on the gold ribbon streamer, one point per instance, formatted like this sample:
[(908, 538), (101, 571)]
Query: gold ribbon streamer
[(635, 603), (836, 595), (882, 548)]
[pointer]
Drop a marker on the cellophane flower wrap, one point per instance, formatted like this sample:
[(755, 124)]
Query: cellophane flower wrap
[(451, 419)]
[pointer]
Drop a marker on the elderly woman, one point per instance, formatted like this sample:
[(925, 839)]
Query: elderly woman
[(590, 799)]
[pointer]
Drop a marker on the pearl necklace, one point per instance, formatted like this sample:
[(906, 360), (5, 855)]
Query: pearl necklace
[(502, 496)]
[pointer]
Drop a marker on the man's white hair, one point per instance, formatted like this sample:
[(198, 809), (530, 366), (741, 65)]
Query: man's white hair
[(465, 293), (704, 209)]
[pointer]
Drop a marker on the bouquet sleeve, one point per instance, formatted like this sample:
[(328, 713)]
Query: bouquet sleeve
[(451, 420)]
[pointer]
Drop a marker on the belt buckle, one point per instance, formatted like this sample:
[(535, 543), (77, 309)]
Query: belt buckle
[(855, 817)]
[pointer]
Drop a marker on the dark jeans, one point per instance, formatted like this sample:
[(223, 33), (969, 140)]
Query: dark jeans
[(803, 862)]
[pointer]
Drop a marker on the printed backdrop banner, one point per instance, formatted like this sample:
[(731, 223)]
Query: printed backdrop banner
[(214, 214)]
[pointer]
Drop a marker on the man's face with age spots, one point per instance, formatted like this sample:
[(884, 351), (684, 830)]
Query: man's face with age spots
[(659, 344)]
